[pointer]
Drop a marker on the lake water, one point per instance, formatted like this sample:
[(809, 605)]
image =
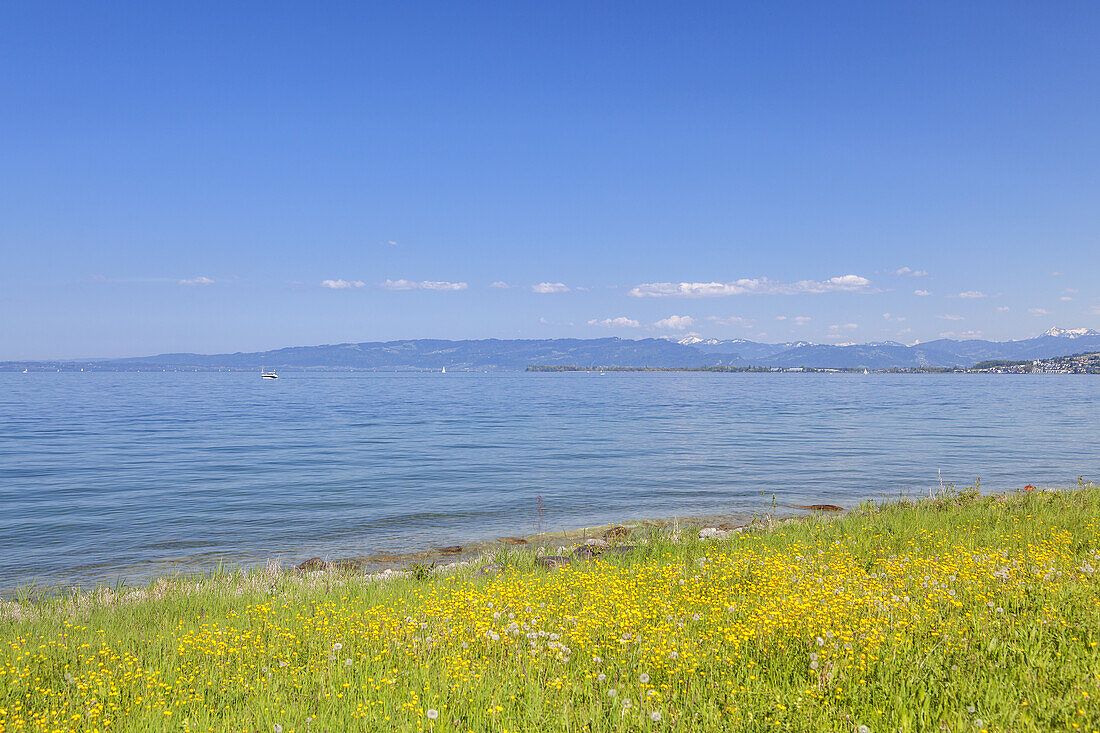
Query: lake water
[(109, 476)]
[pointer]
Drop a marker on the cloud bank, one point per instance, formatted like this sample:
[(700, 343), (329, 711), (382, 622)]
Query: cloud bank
[(550, 288), (620, 322), (422, 285), (752, 286)]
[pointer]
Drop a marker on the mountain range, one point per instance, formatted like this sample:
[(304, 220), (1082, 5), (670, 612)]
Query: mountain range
[(517, 354)]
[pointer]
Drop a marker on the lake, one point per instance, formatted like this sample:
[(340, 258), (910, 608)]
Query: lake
[(108, 477)]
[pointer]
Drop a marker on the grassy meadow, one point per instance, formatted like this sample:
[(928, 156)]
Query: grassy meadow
[(955, 613)]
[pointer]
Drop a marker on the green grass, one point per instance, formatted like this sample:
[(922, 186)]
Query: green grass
[(959, 612)]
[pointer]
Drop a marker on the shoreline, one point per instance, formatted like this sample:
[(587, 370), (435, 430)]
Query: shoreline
[(401, 562)]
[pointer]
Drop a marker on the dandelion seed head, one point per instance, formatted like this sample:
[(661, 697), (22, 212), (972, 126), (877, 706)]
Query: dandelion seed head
[(432, 713)]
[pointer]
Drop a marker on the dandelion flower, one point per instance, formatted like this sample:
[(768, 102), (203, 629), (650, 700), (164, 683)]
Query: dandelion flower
[(597, 660), (819, 641), (337, 646), (979, 723), (627, 703), (644, 677), (863, 729), (612, 692), (432, 713), (277, 728), (347, 662), (655, 716), (601, 677)]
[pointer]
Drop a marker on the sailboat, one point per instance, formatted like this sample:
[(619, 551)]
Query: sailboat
[(866, 372), (444, 371), (264, 374), (24, 371)]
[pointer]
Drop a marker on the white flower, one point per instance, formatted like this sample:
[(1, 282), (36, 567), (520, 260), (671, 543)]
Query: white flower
[(277, 728), (979, 723), (601, 677), (597, 660), (283, 663), (819, 641), (627, 703), (432, 713), (347, 662), (337, 646), (863, 729), (644, 677), (654, 716), (612, 692)]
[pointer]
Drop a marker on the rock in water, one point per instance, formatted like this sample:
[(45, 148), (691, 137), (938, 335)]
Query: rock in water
[(451, 549), (314, 563)]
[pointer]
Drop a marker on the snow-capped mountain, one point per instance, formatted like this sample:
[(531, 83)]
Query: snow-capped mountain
[(1070, 333)]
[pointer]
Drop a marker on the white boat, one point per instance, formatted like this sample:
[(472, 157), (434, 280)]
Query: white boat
[(866, 372), (444, 371), (264, 374), (24, 371)]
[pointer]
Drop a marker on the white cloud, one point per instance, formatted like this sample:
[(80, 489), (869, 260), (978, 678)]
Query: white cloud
[(442, 285), (1038, 311), (200, 280), (620, 322), (422, 285), (970, 334), (342, 284), (949, 317), (970, 294), (1071, 291), (838, 327), (550, 288), (390, 243), (501, 285), (801, 320), (910, 271), (751, 286), (891, 317), (731, 321), (1002, 309), (922, 293), (678, 323), (1065, 298)]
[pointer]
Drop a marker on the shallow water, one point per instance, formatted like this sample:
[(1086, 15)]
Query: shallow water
[(107, 476)]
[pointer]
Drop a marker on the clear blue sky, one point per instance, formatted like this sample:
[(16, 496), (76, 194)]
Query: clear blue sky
[(186, 176)]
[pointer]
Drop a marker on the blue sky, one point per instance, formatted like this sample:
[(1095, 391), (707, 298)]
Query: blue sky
[(189, 176)]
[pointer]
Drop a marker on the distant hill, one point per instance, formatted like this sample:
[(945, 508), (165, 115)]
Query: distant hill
[(518, 354)]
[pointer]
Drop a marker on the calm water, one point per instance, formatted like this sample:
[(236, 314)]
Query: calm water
[(112, 475)]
